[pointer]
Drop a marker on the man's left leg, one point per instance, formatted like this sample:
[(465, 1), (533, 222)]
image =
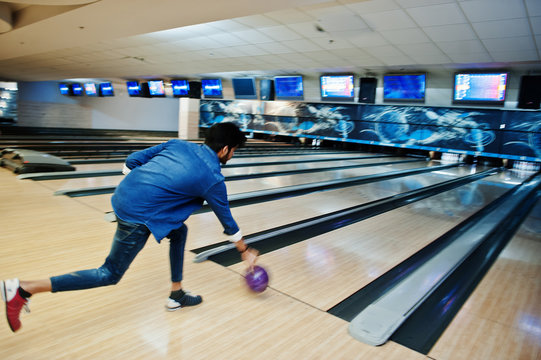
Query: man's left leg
[(178, 297)]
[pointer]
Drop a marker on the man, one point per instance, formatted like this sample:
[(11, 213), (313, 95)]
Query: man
[(164, 185)]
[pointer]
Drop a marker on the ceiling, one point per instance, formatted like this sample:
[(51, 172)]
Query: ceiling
[(140, 39)]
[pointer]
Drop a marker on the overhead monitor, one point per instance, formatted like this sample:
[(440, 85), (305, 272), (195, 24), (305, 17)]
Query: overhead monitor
[(76, 89), (64, 88), (337, 87), (480, 88), (244, 88), (404, 87), (288, 88), (133, 88), (181, 88), (212, 88), (90, 89), (156, 88), (106, 89)]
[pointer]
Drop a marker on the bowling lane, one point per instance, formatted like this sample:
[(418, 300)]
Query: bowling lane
[(326, 269), (271, 214), (242, 186), (245, 170), (99, 167), (77, 183), (504, 307), (313, 156), (102, 202)]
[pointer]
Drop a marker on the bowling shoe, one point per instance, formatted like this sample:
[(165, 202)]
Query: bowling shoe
[(182, 301), (14, 302)]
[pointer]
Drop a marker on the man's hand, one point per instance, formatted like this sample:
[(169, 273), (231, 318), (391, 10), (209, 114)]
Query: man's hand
[(250, 256)]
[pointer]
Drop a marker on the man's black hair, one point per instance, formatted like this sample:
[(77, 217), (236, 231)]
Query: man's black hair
[(224, 134)]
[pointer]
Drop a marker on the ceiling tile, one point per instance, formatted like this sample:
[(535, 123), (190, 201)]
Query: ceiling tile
[(418, 3), (280, 33), (301, 45), (348, 34), (351, 53), (405, 36), (425, 53), (453, 32), (307, 29), (461, 47), (504, 56), (502, 28), (423, 48), (533, 7), (388, 20), (430, 59), (390, 55), (275, 48), (321, 55), (252, 36), (294, 57), (368, 40), (485, 10), (205, 42), (331, 44), (470, 58), (433, 15), (210, 53), (227, 39), (252, 50), (536, 24), (510, 44), (537, 39)]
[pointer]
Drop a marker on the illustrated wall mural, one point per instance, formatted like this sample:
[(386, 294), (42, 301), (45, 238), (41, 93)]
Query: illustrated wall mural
[(429, 127), (481, 132), (522, 136)]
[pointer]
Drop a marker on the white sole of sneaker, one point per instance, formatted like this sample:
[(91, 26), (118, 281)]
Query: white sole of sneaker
[(3, 291), (5, 299)]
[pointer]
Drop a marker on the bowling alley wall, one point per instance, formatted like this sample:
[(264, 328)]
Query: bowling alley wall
[(470, 131), (437, 124)]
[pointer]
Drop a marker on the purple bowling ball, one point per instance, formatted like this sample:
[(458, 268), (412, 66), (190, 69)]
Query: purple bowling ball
[(257, 280)]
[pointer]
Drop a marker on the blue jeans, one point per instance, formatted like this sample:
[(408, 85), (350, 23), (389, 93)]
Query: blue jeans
[(129, 239)]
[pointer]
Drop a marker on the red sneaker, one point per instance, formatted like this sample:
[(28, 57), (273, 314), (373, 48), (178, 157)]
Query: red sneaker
[(14, 302)]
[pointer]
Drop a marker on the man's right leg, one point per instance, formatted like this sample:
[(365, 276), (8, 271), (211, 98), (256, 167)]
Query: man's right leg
[(128, 241)]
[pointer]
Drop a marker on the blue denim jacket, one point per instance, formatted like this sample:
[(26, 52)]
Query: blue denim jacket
[(167, 183)]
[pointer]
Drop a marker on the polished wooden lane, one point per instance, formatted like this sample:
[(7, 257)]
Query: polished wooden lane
[(45, 235), (268, 215), (99, 167), (501, 320), (332, 266)]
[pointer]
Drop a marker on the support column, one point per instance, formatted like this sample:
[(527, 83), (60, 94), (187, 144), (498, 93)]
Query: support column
[(188, 118)]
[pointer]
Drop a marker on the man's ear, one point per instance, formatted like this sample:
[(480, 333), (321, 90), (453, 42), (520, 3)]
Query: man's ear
[(223, 151)]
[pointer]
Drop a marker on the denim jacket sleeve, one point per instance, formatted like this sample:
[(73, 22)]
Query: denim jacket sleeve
[(216, 197), (141, 157)]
